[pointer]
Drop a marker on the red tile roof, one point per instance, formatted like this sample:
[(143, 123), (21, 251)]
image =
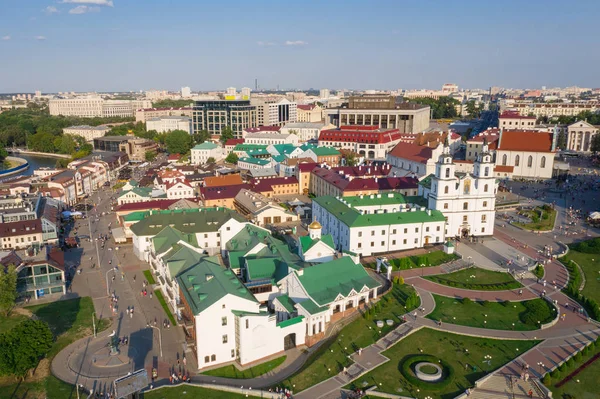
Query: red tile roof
[(234, 142), (262, 185), (412, 152), (307, 167), (523, 140), (226, 180), (20, 228), (174, 157), (141, 206), (504, 168), (515, 114), (176, 182), (360, 134), (223, 192), (166, 109), (306, 107)]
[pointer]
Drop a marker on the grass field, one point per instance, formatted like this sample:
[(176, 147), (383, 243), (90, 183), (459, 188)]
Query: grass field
[(434, 258), (164, 305), (149, 277), (475, 278), (7, 323), (189, 391), (332, 356), (545, 223), (69, 321), (500, 315), (232, 372), (590, 264), (464, 354), (583, 385)]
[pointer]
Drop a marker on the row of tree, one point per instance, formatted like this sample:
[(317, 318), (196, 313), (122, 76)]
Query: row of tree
[(590, 117), (441, 108)]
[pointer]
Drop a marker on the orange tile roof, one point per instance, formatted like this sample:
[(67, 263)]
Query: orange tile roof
[(227, 180), (523, 140)]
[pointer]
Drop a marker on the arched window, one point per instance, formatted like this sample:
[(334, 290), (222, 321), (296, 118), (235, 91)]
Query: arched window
[(485, 188), (465, 206), (206, 359), (213, 358), (543, 162), (504, 159), (447, 172), (446, 190), (530, 161), (487, 171), (517, 160)]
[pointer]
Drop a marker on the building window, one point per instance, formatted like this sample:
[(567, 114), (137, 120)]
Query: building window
[(213, 358), (372, 232), (405, 231), (464, 218), (360, 233), (437, 228), (233, 353), (404, 241), (446, 190), (517, 160), (360, 245), (530, 161), (446, 206), (416, 240), (382, 232), (485, 204), (543, 162), (247, 323), (465, 206), (393, 242), (485, 188), (416, 229), (206, 359), (483, 218), (225, 338), (487, 171), (504, 159), (427, 229), (372, 244), (483, 229), (223, 307), (223, 321), (394, 231)]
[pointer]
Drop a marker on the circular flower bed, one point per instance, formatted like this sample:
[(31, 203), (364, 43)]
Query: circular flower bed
[(413, 366)]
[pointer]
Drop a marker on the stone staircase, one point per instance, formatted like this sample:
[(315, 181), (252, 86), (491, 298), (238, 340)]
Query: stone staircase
[(455, 266), (499, 387)]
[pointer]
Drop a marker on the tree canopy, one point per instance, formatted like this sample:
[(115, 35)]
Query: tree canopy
[(232, 158), (8, 289), (443, 107), (23, 346), (178, 142), (172, 103), (150, 156), (201, 136), (226, 134)]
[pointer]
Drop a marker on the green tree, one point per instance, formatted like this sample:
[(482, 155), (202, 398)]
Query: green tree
[(3, 152), (595, 145), (444, 107), (472, 109), (232, 158), (65, 144), (178, 142), (172, 103), (24, 346), (8, 289), (201, 136), (226, 134), (293, 131), (211, 160), (43, 142), (150, 156)]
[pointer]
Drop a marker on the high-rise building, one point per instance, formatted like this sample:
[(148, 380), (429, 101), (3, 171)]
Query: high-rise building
[(215, 115), (274, 111), (231, 91), (186, 92), (324, 93), (245, 93)]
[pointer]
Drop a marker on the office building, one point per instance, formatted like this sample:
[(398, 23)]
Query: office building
[(274, 111), (186, 92), (144, 114), (324, 93), (89, 133), (382, 111), (90, 107), (513, 120), (309, 113), (215, 115), (555, 109), (163, 124)]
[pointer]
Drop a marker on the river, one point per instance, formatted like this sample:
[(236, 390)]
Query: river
[(36, 162)]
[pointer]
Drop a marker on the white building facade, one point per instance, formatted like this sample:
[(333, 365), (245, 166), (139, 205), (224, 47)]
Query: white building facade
[(165, 124)]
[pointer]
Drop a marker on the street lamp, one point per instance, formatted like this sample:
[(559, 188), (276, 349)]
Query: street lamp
[(94, 322), (114, 269), (542, 365), (422, 266)]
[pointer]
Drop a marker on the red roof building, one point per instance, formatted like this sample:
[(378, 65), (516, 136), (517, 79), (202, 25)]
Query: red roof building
[(513, 120), (306, 107), (221, 195), (368, 141), (271, 187)]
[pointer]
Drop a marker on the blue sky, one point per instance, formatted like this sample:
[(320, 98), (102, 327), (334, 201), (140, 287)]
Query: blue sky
[(110, 45)]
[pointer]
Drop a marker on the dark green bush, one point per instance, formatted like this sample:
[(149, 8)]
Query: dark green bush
[(547, 380), (536, 310), (466, 301), (578, 356)]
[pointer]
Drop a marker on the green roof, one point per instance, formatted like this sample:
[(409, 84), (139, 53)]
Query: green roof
[(290, 322), (353, 218), (206, 282), (261, 268), (207, 145), (417, 200), (449, 244), (286, 302), (325, 281), (307, 243), (180, 258), (378, 199), (284, 149), (134, 216), (278, 158), (141, 191), (323, 151), (248, 147), (242, 313), (311, 307), (200, 220), (234, 259), (426, 181), (165, 239), (307, 146), (254, 161)]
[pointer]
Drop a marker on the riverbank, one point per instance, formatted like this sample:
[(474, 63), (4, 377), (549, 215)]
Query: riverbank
[(14, 165), (38, 154)]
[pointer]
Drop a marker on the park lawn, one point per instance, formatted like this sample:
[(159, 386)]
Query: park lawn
[(149, 277), (542, 224), (233, 372), (332, 355), (590, 264), (463, 353), (164, 305), (475, 278), (69, 321), (190, 391), (431, 259), (500, 315), (588, 378)]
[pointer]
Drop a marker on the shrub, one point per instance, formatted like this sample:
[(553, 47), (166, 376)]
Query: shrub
[(395, 280), (506, 303), (570, 363), (555, 375), (562, 368), (485, 303), (589, 247), (537, 310), (547, 380), (466, 301), (578, 356), (400, 280)]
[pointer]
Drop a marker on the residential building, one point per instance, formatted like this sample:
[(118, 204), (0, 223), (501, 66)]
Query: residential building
[(144, 114), (271, 139), (274, 111), (275, 186), (305, 130), (140, 194), (370, 142), (33, 207), (136, 148), (21, 235), (179, 189), (215, 115), (221, 196), (580, 135), (555, 109), (248, 163), (412, 159), (309, 113), (381, 111), (89, 133), (261, 129), (513, 120), (223, 180), (164, 124), (90, 107), (378, 223), (475, 143), (467, 201), (324, 93), (260, 209), (251, 150), (231, 143), (201, 153), (328, 155), (531, 153)]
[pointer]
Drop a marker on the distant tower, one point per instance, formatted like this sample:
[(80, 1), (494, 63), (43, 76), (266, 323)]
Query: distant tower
[(255, 84), (186, 92), (231, 91), (245, 93), (314, 230), (324, 93)]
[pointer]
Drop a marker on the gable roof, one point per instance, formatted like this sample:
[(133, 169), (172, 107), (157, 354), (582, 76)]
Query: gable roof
[(221, 192), (521, 140), (307, 243), (224, 180), (287, 302), (325, 281), (412, 152), (207, 145)]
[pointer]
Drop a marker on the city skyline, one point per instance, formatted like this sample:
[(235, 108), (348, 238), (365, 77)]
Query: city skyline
[(106, 46)]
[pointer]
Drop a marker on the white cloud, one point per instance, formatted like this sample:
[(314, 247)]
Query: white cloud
[(83, 10), (50, 10), (40, 38), (7, 37), (108, 3), (295, 43), (266, 43)]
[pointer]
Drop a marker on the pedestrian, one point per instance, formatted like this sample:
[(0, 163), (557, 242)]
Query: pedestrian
[(520, 292), (150, 294), (184, 361), (530, 393), (134, 278), (359, 351), (127, 311)]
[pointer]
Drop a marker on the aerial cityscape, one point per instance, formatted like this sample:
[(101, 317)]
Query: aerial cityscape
[(333, 201)]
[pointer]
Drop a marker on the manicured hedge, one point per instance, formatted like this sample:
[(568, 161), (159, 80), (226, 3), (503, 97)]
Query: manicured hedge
[(510, 285), (589, 247), (407, 370), (572, 290)]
